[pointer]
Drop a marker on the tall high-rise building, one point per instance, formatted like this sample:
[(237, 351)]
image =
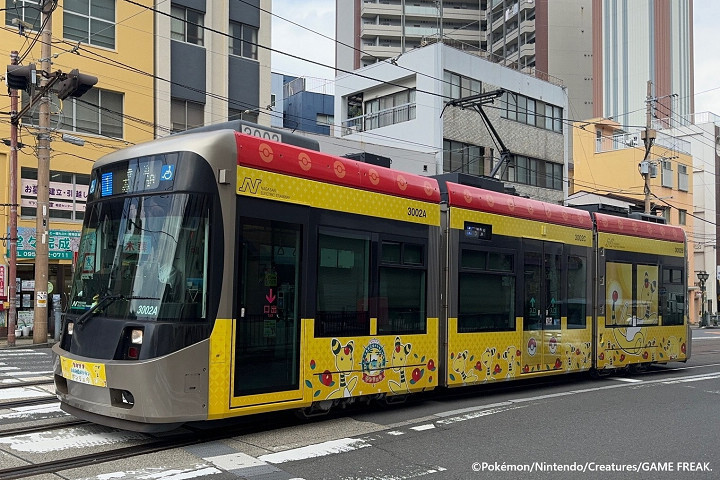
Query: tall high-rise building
[(637, 41), (603, 51), (371, 31)]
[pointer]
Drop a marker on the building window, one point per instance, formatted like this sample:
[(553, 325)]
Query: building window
[(244, 40), (682, 217), (324, 120), (464, 158), (683, 180), (26, 10), (97, 111), (67, 194), (529, 111), (186, 25), (667, 173), (535, 172), (185, 114), (458, 86), (90, 21)]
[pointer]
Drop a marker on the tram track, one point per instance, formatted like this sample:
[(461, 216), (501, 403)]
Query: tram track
[(71, 422), (188, 435), (25, 384), (57, 465), (27, 402)]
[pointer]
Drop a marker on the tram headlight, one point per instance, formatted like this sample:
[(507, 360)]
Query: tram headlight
[(70, 327), (136, 336)]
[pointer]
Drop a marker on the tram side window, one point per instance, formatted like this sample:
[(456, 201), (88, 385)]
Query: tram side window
[(401, 302), (576, 291), (631, 294), (619, 294), (486, 292), (672, 297), (343, 284), (647, 294)]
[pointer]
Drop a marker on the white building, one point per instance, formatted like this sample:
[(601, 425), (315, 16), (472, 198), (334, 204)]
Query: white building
[(400, 103), (704, 138)]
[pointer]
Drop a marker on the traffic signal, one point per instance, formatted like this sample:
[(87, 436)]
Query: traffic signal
[(75, 84), (21, 77)]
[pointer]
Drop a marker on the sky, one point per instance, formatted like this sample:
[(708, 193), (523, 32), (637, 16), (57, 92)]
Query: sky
[(319, 16)]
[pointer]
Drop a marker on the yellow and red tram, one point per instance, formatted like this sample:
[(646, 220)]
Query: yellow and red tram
[(222, 274)]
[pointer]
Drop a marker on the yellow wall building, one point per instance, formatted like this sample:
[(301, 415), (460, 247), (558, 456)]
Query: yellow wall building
[(114, 43), (606, 162)]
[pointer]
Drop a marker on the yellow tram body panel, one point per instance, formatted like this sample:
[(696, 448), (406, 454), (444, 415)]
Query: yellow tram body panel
[(222, 402), (636, 339), (331, 368), (623, 346), (377, 364), (274, 186), (492, 356), (522, 228), (625, 243)]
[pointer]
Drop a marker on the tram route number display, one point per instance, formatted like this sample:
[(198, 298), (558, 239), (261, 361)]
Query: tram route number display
[(478, 231)]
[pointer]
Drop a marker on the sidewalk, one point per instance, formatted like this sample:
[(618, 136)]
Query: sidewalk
[(27, 342)]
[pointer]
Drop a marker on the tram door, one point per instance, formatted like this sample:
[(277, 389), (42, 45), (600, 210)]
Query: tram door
[(267, 340), (542, 299)]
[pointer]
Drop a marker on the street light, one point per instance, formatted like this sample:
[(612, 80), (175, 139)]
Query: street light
[(702, 277)]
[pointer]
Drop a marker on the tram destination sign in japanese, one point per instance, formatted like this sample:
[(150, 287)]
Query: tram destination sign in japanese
[(61, 243)]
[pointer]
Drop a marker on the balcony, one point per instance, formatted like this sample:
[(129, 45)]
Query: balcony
[(381, 9), (383, 118), (372, 30), (373, 53)]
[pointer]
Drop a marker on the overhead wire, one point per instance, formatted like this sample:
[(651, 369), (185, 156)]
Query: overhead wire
[(566, 121)]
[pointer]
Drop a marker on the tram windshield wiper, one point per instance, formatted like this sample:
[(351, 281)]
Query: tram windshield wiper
[(106, 301)]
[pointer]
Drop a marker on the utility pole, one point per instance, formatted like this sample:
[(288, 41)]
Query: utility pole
[(648, 137), (42, 213), (12, 284), (73, 84)]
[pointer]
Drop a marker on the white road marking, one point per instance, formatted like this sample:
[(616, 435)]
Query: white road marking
[(15, 393), (159, 473), (314, 451), (67, 439), (401, 476), (420, 428), (235, 461), (625, 379)]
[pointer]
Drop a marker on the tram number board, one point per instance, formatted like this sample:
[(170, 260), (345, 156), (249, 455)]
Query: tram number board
[(478, 231), (137, 175)]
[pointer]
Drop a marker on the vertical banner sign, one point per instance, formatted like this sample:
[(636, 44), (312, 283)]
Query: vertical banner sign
[(3, 293)]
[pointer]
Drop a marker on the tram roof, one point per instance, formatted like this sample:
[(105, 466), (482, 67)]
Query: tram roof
[(638, 228), (300, 162), (473, 198)]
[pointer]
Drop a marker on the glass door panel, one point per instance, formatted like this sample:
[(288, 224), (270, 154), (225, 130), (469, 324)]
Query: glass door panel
[(267, 344)]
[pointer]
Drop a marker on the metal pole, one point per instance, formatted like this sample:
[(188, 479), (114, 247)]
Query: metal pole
[(12, 290), (648, 144), (42, 228)]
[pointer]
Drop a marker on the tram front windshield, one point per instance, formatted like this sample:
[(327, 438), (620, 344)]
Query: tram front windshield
[(144, 257)]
